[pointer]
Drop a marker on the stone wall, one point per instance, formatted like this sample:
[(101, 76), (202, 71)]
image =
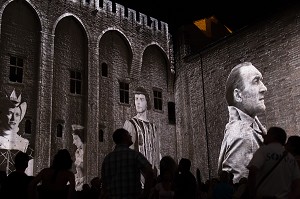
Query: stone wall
[(273, 47), (55, 37)]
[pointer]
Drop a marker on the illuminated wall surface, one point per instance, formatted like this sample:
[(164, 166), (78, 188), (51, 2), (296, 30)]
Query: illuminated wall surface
[(76, 66)]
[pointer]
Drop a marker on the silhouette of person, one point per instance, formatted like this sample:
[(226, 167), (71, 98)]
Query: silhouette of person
[(164, 187), (12, 111), (57, 181), (223, 189), (122, 168), (3, 177), (185, 181), (96, 185), (283, 181), (16, 184), (243, 133), (293, 146)]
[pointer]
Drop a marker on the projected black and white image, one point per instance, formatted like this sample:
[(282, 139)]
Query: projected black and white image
[(243, 133), (78, 141), (144, 133), (12, 112)]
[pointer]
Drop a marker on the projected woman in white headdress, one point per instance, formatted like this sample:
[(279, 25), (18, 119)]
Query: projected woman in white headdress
[(12, 111), (78, 141)]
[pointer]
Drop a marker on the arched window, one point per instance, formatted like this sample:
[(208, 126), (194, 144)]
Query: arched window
[(28, 127)]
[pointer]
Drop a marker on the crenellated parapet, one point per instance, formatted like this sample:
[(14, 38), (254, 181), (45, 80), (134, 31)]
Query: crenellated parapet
[(107, 6)]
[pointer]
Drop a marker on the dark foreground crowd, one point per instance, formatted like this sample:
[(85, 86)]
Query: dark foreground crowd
[(121, 176)]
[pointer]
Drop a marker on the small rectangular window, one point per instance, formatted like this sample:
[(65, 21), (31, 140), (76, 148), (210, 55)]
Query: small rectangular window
[(16, 69), (171, 113), (104, 69), (157, 96), (101, 135), (124, 92), (75, 82), (59, 130)]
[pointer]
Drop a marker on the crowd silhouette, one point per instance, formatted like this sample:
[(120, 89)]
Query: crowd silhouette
[(174, 181)]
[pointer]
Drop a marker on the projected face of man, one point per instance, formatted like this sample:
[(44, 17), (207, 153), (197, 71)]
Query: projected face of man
[(140, 103), (251, 97), (11, 119)]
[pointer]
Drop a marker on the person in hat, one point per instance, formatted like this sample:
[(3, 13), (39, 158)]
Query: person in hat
[(12, 111), (78, 141)]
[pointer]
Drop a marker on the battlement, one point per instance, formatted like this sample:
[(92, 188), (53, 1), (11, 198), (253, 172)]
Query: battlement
[(129, 14)]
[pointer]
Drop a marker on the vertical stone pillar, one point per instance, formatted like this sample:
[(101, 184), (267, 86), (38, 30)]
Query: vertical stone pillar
[(44, 112), (92, 111)]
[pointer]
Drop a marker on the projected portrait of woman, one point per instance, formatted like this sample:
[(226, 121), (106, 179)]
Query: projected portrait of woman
[(78, 141), (12, 111)]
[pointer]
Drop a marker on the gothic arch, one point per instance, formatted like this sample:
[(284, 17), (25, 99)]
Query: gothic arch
[(21, 28), (119, 44), (33, 7), (125, 40), (69, 15), (70, 76), (155, 67)]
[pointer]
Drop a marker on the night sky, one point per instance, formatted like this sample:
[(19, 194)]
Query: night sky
[(232, 13)]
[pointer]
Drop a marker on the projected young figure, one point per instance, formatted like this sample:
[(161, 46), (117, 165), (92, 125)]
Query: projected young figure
[(12, 111), (144, 133), (243, 133), (78, 141)]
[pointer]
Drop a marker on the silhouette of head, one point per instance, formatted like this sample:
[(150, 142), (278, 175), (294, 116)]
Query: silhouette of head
[(275, 134), (184, 165), (62, 160), (167, 165), (122, 136), (293, 144), (21, 161)]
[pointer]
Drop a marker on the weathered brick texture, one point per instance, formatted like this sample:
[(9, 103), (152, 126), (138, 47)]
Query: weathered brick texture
[(273, 47), (54, 37)]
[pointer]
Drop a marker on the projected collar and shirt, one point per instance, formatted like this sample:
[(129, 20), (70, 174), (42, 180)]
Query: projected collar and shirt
[(145, 139), (242, 137)]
